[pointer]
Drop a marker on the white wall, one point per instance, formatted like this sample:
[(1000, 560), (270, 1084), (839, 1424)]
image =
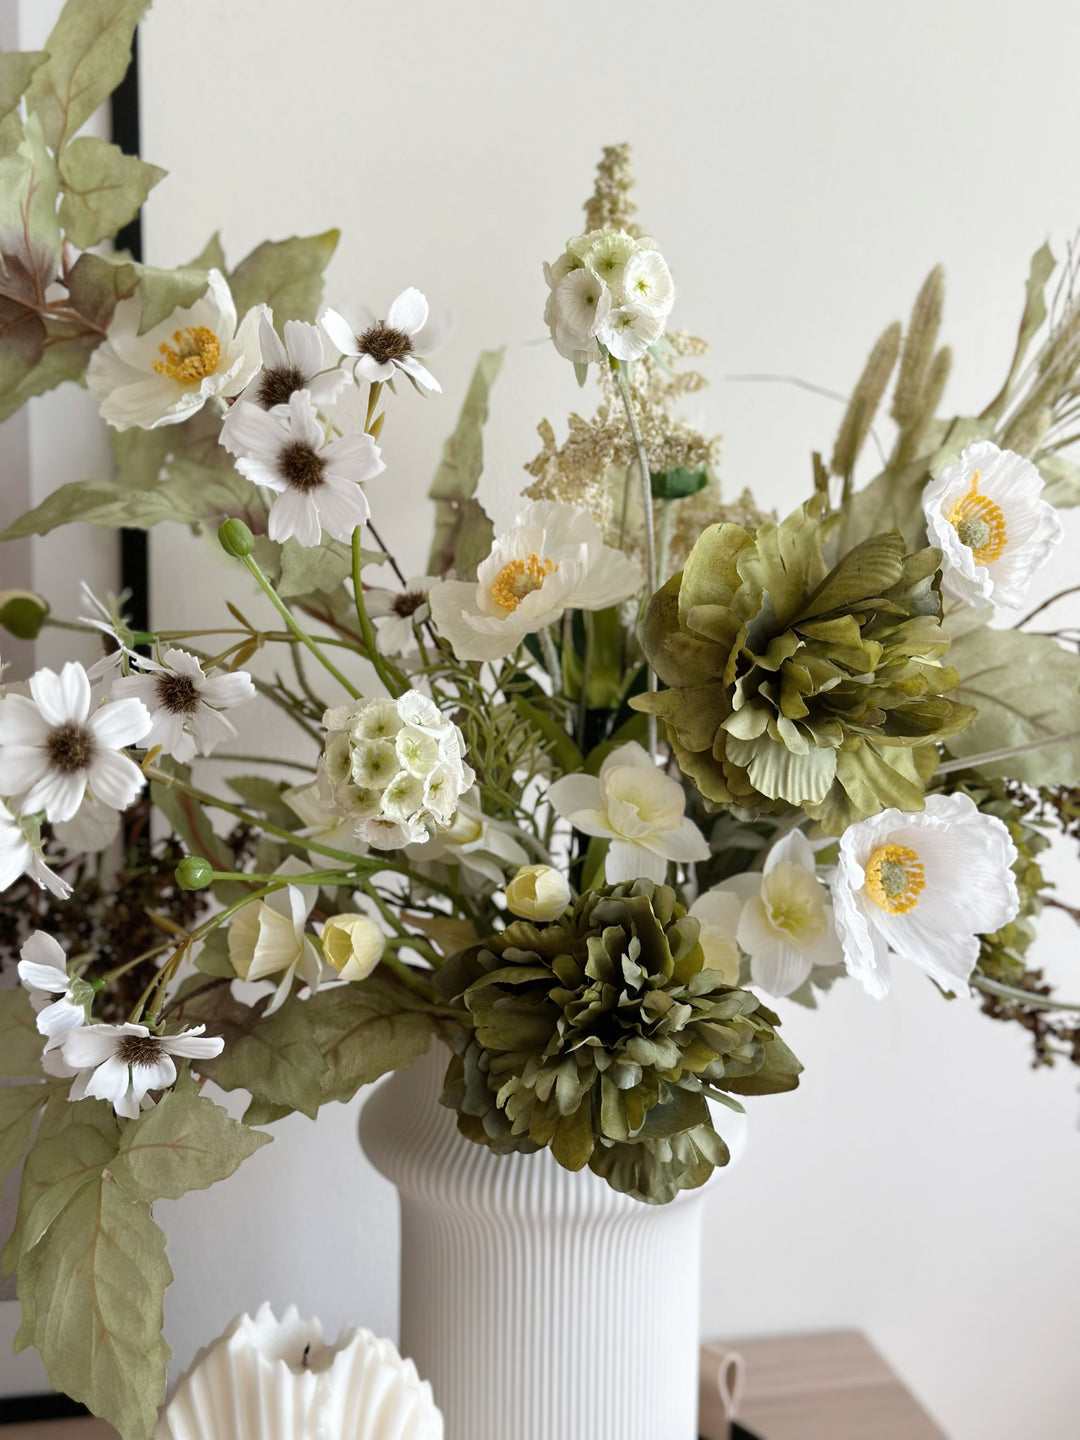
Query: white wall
[(802, 166)]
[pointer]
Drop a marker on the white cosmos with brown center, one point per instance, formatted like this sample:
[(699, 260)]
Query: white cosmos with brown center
[(122, 1064), (185, 705)]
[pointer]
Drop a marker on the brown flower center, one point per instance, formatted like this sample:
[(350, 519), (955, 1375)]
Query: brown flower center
[(383, 343), (408, 604), (177, 693), (301, 466), (140, 1050), (70, 748), (277, 385)]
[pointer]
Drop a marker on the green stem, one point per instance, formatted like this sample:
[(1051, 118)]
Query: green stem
[(586, 666), (290, 620), (1025, 997), (991, 757), (367, 630), (650, 538)]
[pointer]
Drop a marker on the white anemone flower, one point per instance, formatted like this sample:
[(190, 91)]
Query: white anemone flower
[(185, 705), (270, 939), (55, 745), (717, 911), (43, 972), (400, 612), (163, 377), (553, 560), (22, 853), (924, 886), (380, 348), (638, 808), (123, 1063), (318, 484), (300, 361), (994, 529)]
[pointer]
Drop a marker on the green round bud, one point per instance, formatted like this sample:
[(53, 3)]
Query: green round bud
[(236, 539), (194, 873)]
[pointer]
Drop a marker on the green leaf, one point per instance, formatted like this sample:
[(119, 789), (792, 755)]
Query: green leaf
[(264, 795), (93, 1295), (18, 1106), (96, 285), (211, 256), (677, 484), (22, 613), (363, 1033), (274, 1057), (30, 248), (20, 1043), (1026, 689), (561, 748), (16, 68), (213, 955), (89, 52), (163, 291), (287, 275), (463, 532), (185, 1143), (1042, 267), (1062, 481), (103, 189)]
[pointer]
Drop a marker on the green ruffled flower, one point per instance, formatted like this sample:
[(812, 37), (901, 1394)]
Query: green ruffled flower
[(792, 684), (600, 1035)]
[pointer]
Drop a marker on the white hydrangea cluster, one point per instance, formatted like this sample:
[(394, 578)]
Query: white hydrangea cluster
[(609, 292), (394, 769)]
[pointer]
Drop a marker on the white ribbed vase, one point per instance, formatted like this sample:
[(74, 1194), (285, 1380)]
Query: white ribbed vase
[(540, 1304)]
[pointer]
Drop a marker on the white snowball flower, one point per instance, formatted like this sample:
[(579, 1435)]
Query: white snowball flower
[(553, 560), (43, 972), (994, 529), (629, 331), (579, 304), (379, 348), (123, 1063), (610, 294), (22, 853), (400, 611), (717, 911), (300, 361), (321, 824), (638, 808), (474, 842), (185, 705), (163, 377), (924, 886), (318, 484), (55, 745), (270, 939)]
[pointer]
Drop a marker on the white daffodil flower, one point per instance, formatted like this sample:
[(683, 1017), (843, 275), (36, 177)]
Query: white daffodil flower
[(22, 853), (270, 939), (994, 529), (717, 911), (537, 892), (55, 745), (43, 972), (353, 944), (553, 560), (635, 806), (318, 484), (785, 921), (185, 705), (924, 886), (163, 377), (400, 612), (123, 1063), (300, 361), (380, 348)]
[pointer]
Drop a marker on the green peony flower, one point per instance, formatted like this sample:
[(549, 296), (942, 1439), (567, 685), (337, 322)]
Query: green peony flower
[(600, 1036), (793, 684)]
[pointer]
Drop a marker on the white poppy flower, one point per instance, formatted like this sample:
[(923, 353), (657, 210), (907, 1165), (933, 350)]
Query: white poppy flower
[(717, 911), (318, 484), (270, 939), (166, 375), (22, 853), (300, 361), (43, 972), (638, 808), (553, 560), (924, 886), (400, 611), (116, 637), (123, 1063), (185, 705), (994, 529), (379, 348), (55, 745)]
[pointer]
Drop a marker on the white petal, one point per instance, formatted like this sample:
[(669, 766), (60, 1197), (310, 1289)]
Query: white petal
[(119, 723), (340, 332), (683, 844), (781, 972), (62, 697), (294, 515), (409, 312), (626, 861), (58, 795), (115, 779), (21, 722)]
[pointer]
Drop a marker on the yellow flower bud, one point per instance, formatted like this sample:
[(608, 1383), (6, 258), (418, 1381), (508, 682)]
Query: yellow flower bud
[(353, 945), (537, 892)]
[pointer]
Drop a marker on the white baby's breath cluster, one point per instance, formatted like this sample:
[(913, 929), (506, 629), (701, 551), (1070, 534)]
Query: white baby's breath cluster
[(610, 293), (394, 768)]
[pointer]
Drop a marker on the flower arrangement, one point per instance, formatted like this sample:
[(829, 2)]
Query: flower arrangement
[(578, 804)]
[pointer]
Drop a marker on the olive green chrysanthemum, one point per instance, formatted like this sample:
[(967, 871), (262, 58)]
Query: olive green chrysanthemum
[(600, 1035), (790, 683)]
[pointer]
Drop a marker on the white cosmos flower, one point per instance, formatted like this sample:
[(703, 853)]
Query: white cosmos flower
[(166, 375), (717, 911), (638, 808), (22, 853), (553, 560), (994, 529), (93, 829), (43, 972), (185, 705), (55, 744), (379, 348), (785, 921), (924, 886), (318, 484), (300, 361), (116, 637), (270, 939), (400, 611), (123, 1063)]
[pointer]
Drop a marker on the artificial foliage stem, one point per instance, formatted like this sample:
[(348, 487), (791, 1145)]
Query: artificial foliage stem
[(392, 683), (287, 615), (1025, 997), (650, 537)]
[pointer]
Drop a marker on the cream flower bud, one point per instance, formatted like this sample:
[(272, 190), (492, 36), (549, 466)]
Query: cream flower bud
[(353, 945), (537, 892)]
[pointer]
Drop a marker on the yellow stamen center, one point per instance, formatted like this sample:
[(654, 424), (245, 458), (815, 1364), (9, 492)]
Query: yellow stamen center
[(196, 355), (895, 878), (979, 524), (520, 578)]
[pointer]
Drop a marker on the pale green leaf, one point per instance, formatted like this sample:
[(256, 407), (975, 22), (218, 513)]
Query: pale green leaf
[(163, 291), (1042, 267), (29, 255), (363, 1032), (62, 359), (287, 275), (1062, 481), (89, 51), (18, 1106), (463, 532), (16, 68), (273, 1057), (185, 1143), (103, 189), (211, 256), (96, 285), (20, 1043)]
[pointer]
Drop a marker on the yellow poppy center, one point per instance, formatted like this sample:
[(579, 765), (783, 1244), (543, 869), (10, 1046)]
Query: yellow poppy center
[(520, 578), (980, 524), (193, 355), (895, 878)]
